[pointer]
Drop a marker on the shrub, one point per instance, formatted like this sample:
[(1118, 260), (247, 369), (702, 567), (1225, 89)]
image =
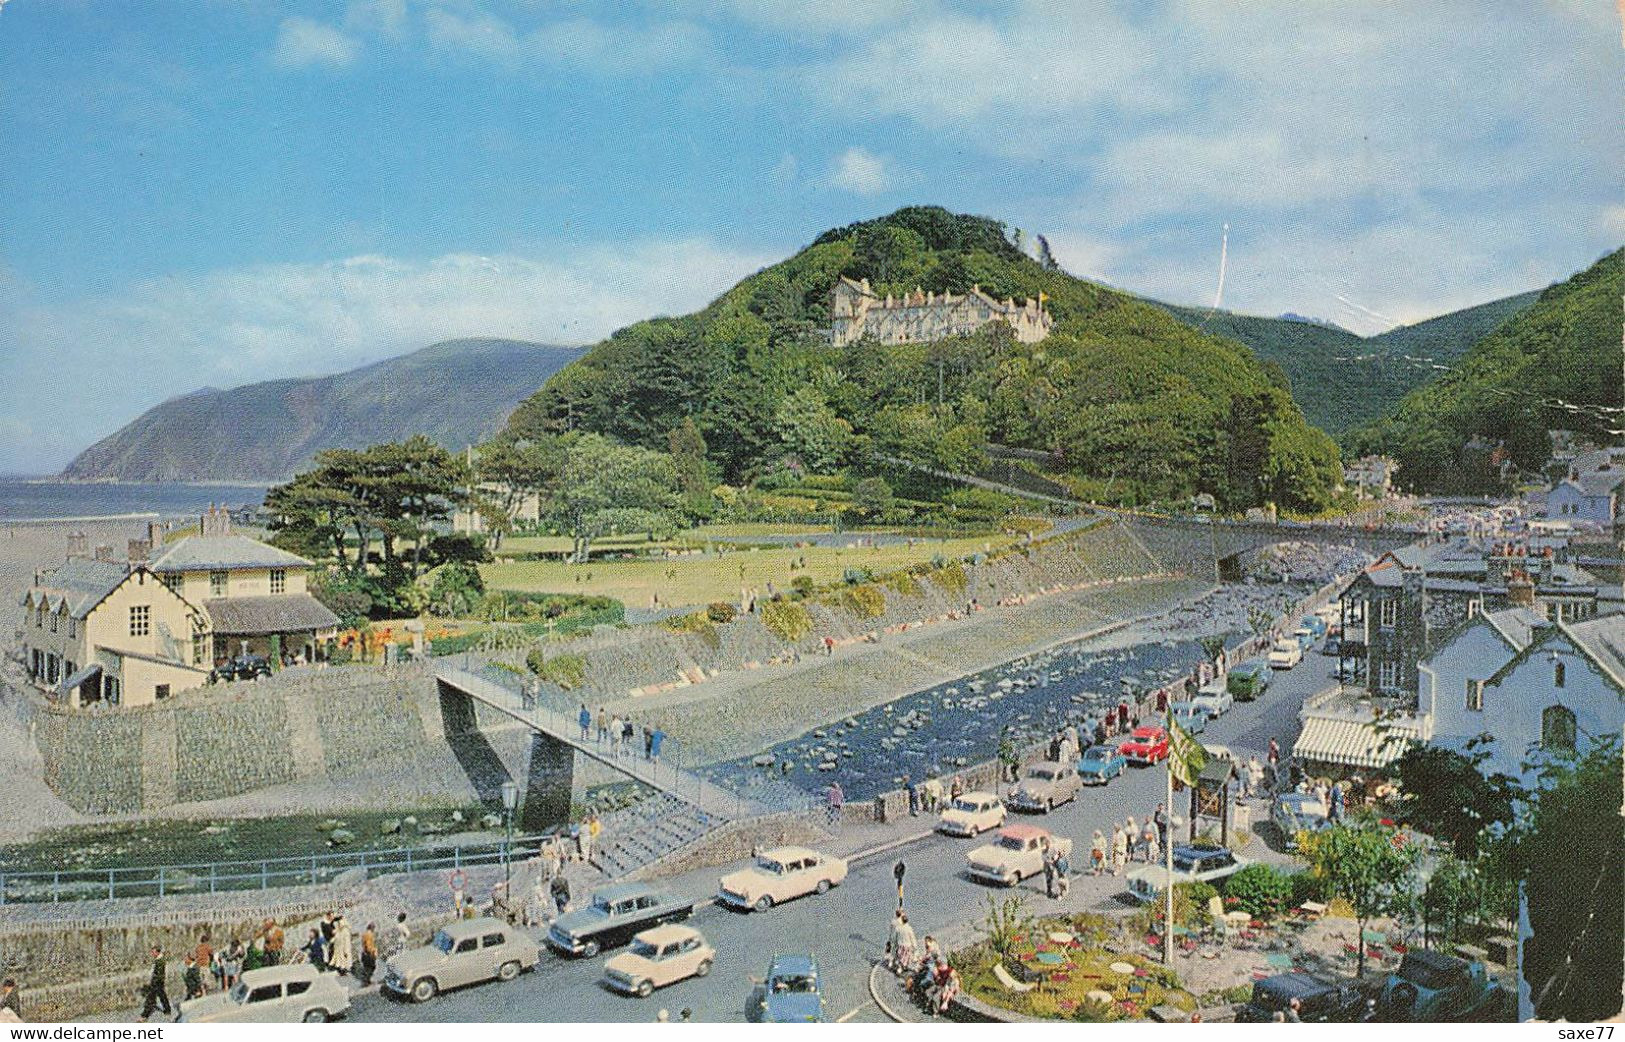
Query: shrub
[(952, 577), (853, 576), (803, 584), (720, 611), (696, 622), (787, 620), (1259, 889), (866, 601), (536, 661), (567, 671), (903, 583), (1307, 887)]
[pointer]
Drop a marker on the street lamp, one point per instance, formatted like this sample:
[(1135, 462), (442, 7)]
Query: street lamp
[(510, 800)]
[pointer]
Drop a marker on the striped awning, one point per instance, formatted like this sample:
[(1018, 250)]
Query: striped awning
[(84, 674), (1353, 742)]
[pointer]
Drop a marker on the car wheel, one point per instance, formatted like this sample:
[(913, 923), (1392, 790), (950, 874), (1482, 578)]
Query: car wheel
[(645, 988), (508, 971), (763, 903), (824, 885), (1012, 879), (425, 989), (1049, 805), (315, 1016), (591, 950), (703, 968)]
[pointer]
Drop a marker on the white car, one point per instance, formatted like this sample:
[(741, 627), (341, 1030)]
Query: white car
[(971, 814), (658, 957), (779, 875), (1214, 698), (1017, 853), (1192, 864), (289, 994), (1285, 653)]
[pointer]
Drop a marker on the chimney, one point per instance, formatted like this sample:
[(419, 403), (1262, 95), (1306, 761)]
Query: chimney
[(216, 522), (78, 545), (1546, 567), (104, 552), (155, 534), (140, 550), (1520, 590)]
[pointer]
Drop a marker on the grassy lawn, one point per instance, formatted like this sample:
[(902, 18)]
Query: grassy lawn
[(701, 579)]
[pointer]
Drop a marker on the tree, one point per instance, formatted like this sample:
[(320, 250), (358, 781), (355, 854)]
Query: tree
[(1447, 795), (871, 497), (509, 470), (1046, 259), (457, 590), (311, 515), (687, 448), (601, 485), (809, 429), (1371, 868)]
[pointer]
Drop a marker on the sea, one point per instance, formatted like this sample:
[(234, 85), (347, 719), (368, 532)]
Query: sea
[(25, 499)]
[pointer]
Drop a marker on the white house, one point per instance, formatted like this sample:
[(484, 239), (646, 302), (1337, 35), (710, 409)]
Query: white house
[(1537, 687)]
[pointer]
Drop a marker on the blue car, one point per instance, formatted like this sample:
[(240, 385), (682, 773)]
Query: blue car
[(1099, 764), (1192, 719), (792, 992)]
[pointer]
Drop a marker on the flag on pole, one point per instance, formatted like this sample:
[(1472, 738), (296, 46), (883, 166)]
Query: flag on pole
[(1186, 757)]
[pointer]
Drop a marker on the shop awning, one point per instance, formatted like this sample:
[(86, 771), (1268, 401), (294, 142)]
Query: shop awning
[(255, 616), (1353, 742), (72, 683)]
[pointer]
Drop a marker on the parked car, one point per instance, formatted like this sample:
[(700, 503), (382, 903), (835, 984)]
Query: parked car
[(1248, 680), (1214, 698), (466, 952), (971, 814), (1099, 764), (1017, 853), (780, 874), (615, 914), (1186, 715), (1045, 786), (1285, 653), (1433, 987), (1145, 745), (290, 994), (243, 667), (1194, 863), (1318, 1001), (1305, 637), (1295, 812), (1333, 644), (658, 957), (791, 993), (1315, 624)]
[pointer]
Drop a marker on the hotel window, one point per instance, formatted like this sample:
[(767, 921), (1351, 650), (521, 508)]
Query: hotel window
[(1557, 729), (199, 649), (279, 580), (73, 626), (175, 581), (160, 692), (39, 619), (140, 620), (1388, 613), (1388, 676), (1475, 695), (217, 583), (53, 622), (1558, 673)]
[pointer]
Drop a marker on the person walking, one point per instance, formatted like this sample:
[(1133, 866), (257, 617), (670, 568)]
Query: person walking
[(315, 949), (1132, 834), (656, 740), (329, 928), (836, 799), (231, 963), (275, 940), (343, 950), (615, 736), (1274, 755), (203, 955), (900, 945), (157, 990), (401, 935), (11, 999), (1119, 849), (1049, 870), (603, 725), (628, 734), (913, 796), (1334, 809), (192, 979), (1063, 870), (584, 718), (560, 888), (1097, 853), (369, 953), (648, 742), (1162, 822)]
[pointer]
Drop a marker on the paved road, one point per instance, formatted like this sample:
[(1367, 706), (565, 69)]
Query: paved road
[(847, 927)]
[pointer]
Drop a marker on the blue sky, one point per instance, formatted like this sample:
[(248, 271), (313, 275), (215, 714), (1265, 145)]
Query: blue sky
[(210, 192)]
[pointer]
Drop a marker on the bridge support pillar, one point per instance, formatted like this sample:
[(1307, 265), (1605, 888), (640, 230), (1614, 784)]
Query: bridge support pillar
[(549, 784)]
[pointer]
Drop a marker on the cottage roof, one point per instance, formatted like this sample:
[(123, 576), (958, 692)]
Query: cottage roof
[(1602, 640), (1517, 626), (282, 613), (79, 584), (223, 553)]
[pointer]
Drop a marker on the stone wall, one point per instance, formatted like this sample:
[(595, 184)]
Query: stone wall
[(734, 842), (93, 762)]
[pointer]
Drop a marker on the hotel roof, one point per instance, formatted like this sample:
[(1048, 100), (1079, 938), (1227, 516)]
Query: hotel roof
[(223, 553)]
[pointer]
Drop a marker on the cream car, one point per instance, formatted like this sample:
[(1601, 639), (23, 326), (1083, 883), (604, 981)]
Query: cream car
[(466, 952), (1017, 853), (972, 813), (658, 957), (779, 875), (272, 995)]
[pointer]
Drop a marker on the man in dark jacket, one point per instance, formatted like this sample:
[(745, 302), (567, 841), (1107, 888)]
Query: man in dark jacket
[(10, 998), (561, 892), (157, 991)]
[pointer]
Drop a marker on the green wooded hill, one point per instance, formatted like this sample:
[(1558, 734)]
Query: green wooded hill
[(1142, 406), (1343, 380), (1551, 366), (458, 393)]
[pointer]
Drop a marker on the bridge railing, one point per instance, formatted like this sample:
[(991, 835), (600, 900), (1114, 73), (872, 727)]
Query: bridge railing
[(209, 877)]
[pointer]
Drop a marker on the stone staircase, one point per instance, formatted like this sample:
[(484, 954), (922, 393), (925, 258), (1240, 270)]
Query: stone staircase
[(647, 831)]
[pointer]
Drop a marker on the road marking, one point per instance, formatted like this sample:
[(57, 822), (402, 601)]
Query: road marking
[(849, 1014)]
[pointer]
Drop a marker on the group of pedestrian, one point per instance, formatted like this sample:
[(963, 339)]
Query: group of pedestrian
[(1064, 745), (928, 975), (330, 945), (620, 735), (1129, 841)]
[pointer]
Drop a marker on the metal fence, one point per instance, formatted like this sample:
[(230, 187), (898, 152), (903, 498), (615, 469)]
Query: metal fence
[(218, 876)]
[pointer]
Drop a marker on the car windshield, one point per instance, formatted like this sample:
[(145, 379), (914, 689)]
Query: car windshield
[(768, 865), (239, 993), (645, 949), (443, 941), (967, 805), (601, 904), (798, 984), (1427, 975), (1012, 843), (1098, 753)]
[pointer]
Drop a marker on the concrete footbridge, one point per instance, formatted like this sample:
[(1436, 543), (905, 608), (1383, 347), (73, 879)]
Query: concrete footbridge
[(1210, 545)]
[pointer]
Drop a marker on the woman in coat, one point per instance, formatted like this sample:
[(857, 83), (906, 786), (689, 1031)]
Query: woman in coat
[(343, 955)]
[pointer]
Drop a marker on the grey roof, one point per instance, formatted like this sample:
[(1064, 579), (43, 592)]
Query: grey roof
[(284, 613), (1517, 625), (224, 553), (81, 583), (1602, 640)]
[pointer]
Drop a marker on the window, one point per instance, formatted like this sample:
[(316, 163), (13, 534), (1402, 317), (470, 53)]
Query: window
[(73, 626), (114, 688), (199, 649), (1388, 613), (140, 620), (53, 622), (1557, 729), (217, 583), (1559, 672), (467, 945), (266, 993), (39, 619), (298, 987), (174, 581), (279, 580), (491, 940), (1388, 676), (1475, 695), (160, 692)]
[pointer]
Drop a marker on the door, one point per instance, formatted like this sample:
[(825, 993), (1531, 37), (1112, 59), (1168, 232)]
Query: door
[(264, 1005), (464, 966)]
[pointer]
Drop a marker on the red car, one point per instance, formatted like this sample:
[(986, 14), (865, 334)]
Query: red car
[(1146, 745)]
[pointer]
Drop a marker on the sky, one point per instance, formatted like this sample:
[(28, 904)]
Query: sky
[(213, 192)]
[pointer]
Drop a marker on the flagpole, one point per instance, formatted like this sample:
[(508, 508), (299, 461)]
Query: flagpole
[(1168, 862)]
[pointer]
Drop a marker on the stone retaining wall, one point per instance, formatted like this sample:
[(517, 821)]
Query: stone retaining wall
[(734, 842)]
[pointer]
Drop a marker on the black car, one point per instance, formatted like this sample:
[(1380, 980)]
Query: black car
[(243, 667), (1318, 1001), (616, 913)]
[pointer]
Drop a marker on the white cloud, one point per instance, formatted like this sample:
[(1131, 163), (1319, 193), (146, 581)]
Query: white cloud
[(302, 42), (862, 172), (166, 337), (577, 43)]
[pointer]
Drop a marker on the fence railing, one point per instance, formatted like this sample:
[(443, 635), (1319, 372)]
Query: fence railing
[(265, 874)]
